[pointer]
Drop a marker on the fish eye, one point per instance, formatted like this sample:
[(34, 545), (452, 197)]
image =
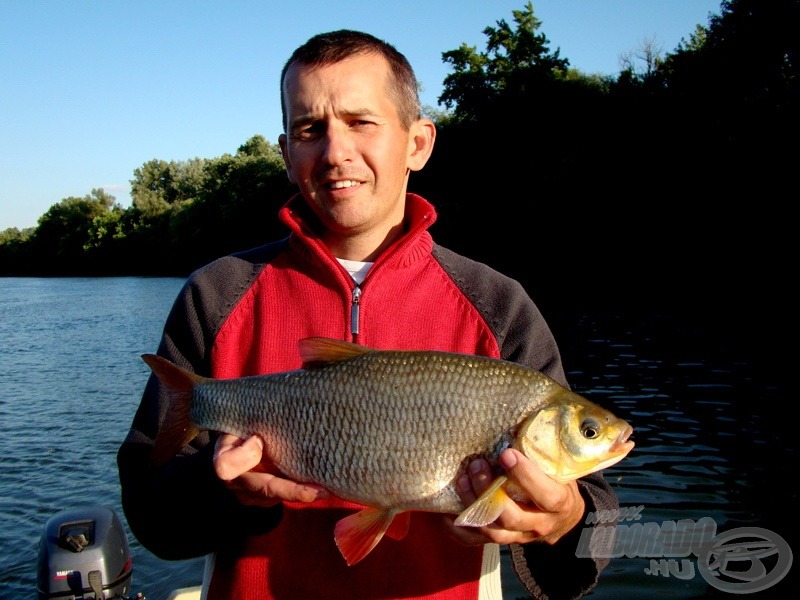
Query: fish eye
[(590, 429)]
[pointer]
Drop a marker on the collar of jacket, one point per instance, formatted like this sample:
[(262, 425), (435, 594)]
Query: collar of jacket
[(415, 243)]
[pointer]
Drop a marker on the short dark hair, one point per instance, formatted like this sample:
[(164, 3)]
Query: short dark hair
[(332, 47)]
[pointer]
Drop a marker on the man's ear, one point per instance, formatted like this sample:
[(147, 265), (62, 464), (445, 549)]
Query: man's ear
[(422, 136), (282, 140)]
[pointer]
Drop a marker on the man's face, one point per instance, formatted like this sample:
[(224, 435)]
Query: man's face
[(344, 146)]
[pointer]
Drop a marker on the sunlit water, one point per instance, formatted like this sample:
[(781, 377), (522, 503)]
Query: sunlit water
[(711, 439)]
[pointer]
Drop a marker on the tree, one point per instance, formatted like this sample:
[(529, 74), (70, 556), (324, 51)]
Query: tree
[(236, 206), (15, 251), (258, 146), (64, 232), (158, 185), (738, 81), (648, 54), (749, 53), (14, 234), (514, 63), (697, 39)]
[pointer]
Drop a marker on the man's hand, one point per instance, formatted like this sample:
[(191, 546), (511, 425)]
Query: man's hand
[(244, 468), (554, 508)]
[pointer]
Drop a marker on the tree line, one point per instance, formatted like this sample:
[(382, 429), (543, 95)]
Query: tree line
[(667, 180)]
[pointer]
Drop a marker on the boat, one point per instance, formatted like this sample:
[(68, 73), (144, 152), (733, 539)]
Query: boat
[(190, 593)]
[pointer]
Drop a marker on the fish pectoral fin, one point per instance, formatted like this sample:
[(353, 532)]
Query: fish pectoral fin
[(357, 534), (400, 526), (487, 507)]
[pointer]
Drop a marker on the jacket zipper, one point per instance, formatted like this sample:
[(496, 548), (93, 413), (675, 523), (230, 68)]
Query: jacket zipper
[(355, 310)]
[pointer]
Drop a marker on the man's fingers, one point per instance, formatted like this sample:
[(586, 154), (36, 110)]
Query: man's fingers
[(539, 507), (291, 491), (546, 493), (475, 481), (558, 506), (241, 464), (468, 536), (233, 456)]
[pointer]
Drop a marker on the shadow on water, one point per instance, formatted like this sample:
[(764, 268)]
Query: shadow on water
[(714, 439), (714, 436)]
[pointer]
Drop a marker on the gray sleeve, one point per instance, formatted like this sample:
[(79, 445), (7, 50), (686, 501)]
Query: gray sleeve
[(182, 510)]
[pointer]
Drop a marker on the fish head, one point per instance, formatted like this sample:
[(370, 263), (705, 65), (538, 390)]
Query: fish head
[(570, 437)]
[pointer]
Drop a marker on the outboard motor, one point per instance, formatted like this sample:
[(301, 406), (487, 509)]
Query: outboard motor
[(84, 554)]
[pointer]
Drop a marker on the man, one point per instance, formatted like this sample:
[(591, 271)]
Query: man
[(359, 265)]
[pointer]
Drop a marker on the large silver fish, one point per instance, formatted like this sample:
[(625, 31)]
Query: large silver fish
[(393, 430)]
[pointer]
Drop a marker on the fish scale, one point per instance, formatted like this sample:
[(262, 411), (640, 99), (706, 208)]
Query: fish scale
[(360, 432)]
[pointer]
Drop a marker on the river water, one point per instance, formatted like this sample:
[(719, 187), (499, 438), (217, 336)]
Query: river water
[(716, 444)]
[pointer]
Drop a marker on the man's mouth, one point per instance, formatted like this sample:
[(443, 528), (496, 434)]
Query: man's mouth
[(345, 183)]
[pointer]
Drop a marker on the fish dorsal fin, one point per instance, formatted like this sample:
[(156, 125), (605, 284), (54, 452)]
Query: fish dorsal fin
[(318, 351)]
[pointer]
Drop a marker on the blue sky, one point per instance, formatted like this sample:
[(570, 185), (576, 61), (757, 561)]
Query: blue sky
[(94, 89)]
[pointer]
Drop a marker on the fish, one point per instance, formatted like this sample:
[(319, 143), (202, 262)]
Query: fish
[(393, 430)]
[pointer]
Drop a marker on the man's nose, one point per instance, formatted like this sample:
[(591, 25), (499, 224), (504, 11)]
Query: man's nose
[(338, 145)]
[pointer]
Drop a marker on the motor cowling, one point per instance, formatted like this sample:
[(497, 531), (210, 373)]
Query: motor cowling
[(83, 554)]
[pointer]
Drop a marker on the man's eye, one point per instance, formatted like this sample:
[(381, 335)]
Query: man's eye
[(309, 131)]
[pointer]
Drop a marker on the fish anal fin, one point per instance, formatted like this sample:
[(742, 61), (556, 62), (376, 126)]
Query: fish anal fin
[(172, 436), (317, 351), (487, 507), (357, 534), (400, 526)]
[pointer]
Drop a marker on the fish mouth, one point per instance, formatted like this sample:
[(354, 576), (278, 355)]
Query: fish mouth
[(622, 445)]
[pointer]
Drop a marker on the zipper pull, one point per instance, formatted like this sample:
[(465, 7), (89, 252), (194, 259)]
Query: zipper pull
[(354, 311)]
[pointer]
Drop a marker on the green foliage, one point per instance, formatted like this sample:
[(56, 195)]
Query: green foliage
[(467, 86), (592, 81), (232, 209), (15, 250), (580, 172), (183, 214), (258, 147), (14, 235), (695, 43), (105, 227), (736, 81), (65, 230), (749, 54), (515, 62), (158, 185), (437, 115)]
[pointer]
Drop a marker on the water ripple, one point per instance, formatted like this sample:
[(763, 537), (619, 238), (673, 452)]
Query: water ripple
[(711, 440)]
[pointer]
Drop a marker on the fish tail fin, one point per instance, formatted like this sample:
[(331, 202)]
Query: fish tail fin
[(357, 534), (487, 507), (177, 430)]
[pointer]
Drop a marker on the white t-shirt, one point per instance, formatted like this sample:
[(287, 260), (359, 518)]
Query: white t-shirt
[(357, 269)]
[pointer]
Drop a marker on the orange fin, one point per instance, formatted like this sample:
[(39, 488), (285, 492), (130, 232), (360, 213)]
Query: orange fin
[(177, 430), (317, 351), (400, 526), (356, 535), (487, 507)]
